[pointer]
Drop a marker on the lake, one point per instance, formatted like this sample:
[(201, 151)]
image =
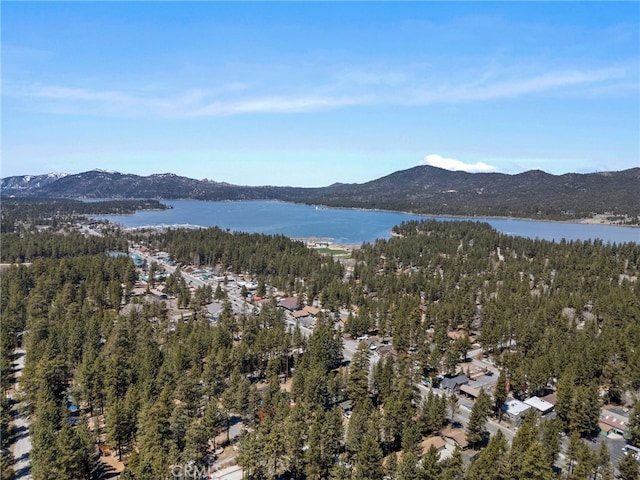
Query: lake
[(344, 226)]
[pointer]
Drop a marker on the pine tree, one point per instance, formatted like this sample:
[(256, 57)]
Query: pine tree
[(325, 434), (453, 404), (573, 450), (250, 457), (196, 447), (476, 428), (550, 437), (453, 468), (605, 468), (534, 465), (525, 437), (408, 468), (325, 345), (586, 413), (490, 464), (433, 412), (295, 431), (213, 420), (74, 453), (565, 398), (586, 462), (358, 379), (411, 438), (358, 426), (634, 426), (628, 466), (500, 393), (368, 460)]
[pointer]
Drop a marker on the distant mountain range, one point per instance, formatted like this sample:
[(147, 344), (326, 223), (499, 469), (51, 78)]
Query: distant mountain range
[(421, 189)]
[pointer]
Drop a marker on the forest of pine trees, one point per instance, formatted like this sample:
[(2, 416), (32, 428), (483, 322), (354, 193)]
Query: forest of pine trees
[(562, 316)]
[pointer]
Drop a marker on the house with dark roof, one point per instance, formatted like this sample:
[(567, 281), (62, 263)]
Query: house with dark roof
[(454, 383), (290, 303)]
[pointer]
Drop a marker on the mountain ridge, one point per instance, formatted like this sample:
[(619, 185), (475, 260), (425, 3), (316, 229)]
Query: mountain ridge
[(420, 189)]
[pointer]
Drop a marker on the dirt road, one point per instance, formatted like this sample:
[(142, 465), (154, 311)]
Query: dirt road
[(21, 446)]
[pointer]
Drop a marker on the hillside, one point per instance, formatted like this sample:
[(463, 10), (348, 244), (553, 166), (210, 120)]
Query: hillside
[(422, 189)]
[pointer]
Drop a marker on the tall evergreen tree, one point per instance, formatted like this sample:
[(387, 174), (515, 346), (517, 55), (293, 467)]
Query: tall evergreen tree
[(358, 379), (604, 467), (491, 463), (408, 468), (565, 398), (431, 465), (525, 437), (550, 437), (586, 413), (75, 456), (534, 465), (500, 393), (476, 428), (628, 467), (634, 425), (368, 465), (325, 434)]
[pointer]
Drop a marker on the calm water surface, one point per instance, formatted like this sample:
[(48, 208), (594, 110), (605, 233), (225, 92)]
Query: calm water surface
[(343, 225)]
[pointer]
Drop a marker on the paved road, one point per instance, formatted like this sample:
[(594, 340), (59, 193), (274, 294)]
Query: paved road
[(21, 447)]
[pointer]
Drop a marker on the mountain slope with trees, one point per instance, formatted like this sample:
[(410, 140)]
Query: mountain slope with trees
[(422, 189)]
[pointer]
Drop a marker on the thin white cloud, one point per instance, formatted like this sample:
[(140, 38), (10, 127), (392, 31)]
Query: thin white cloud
[(457, 165), (279, 104), (353, 89)]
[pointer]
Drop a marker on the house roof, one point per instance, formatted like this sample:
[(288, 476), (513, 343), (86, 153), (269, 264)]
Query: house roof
[(539, 404), (552, 398), (515, 407), (261, 300), (474, 392), (456, 334), (613, 420), (604, 427), (290, 303), (457, 435), (214, 308), (299, 313), (312, 310), (452, 383), (437, 442)]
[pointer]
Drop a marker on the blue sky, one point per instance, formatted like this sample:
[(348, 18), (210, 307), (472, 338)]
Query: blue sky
[(308, 94)]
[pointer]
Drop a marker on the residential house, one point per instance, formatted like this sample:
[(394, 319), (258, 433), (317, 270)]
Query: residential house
[(290, 303), (456, 436), (437, 442), (454, 383), (613, 423), (542, 406), (514, 411), (470, 391)]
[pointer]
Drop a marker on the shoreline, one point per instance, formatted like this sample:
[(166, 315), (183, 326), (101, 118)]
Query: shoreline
[(597, 219)]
